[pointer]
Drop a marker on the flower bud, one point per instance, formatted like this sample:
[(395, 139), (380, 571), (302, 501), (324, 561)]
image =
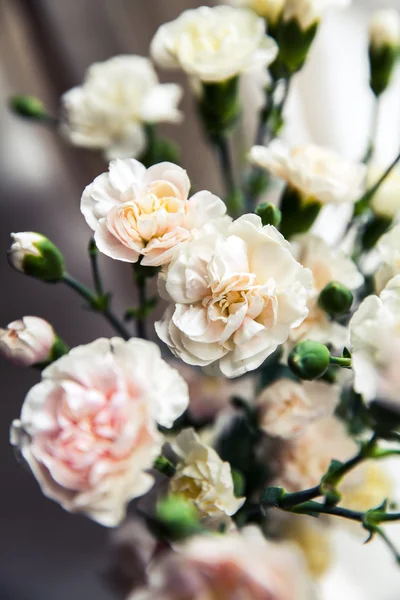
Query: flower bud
[(309, 360), (30, 341), (335, 299), (178, 516), (294, 42), (384, 42), (28, 107), (269, 213), (374, 230), (35, 255)]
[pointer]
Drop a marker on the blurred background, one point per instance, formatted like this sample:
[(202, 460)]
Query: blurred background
[(45, 48)]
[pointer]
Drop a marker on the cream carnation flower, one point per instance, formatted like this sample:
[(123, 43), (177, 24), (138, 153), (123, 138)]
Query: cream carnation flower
[(116, 99), (374, 337), (304, 460), (389, 251), (384, 28), (136, 212), (309, 12), (214, 44), (326, 264), (27, 341), (286, 408), (203, 478), (237, 296), (235, 565), (89, 430), (386, 200), (317, 173), (268, 9)]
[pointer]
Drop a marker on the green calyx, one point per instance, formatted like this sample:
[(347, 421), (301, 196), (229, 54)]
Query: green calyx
[(219, 106), (375, 227), (298, 213), (309, 360), (48, 266), (382, 61), (335, 299), (294, 44)]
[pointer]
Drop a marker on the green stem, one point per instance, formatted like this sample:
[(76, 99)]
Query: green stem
[(340, 361), (368, 195), (141, 285), (96, 304), (93, 254), (233, 200), (389, 544), (373, 132)]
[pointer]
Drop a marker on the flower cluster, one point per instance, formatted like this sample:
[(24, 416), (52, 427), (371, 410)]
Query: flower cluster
[(273, 385)]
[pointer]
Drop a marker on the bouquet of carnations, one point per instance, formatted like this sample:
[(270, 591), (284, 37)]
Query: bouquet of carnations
[(228, 452)]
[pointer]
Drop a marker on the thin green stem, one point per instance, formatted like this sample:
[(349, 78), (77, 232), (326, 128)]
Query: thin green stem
[(97, 304), (141, 286), (233, 198), (340, 361), (93, 254), (389, 544), (368, 195), (373, 132)]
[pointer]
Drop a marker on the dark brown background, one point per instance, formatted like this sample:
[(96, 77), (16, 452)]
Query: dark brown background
[(45, 47)]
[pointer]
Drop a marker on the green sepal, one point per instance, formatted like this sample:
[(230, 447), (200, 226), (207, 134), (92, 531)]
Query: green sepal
[(298, 213), (329, 483), (219, 106), (48, 266), (294, 43), (382, 61), (375, 227)]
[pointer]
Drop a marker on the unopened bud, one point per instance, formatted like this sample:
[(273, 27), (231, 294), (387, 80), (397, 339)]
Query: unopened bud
[(309, 360), (30, 341), (384, 43), (269, 213), (335, 299), (29, 107), (35, 255), (177, 516)]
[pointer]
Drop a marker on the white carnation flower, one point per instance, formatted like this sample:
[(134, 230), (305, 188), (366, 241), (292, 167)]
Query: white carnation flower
[(237, 296), (309, 12), (317, 173), (304, 460), (88, 430), (214, 44), (389, 250), (286, 408), (384, 28), (137, 212), (27, 341), (326, 264), (374, 335), (108, 111), (268, 9), (226, 567), (203, 478)]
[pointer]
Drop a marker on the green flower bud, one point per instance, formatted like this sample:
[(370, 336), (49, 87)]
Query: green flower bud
[(309, 360), (269, 213), (28, 107), (298, 212), (35, 255), (335, 299), (178, 517), (384, 42)]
